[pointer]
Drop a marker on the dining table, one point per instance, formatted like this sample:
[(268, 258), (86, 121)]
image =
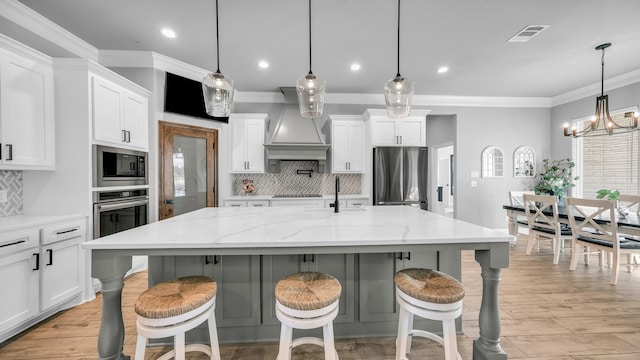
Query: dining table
[(296, 230), (625, 224)]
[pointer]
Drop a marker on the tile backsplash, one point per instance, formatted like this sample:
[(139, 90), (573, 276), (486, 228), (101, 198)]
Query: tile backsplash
[(11, 180), (287, 181)]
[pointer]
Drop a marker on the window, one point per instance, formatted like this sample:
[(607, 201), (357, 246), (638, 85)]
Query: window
[(492, 162), (524, 161), (608, 161)]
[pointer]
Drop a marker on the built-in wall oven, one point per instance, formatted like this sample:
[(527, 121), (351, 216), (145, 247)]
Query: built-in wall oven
[(119, 210)]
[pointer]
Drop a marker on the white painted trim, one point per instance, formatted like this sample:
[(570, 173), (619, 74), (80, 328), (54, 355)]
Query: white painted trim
[(594, 89), (41, 26), (23, 50)]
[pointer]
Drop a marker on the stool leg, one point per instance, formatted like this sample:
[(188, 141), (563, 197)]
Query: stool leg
[(329, 345), (178, 345), (141, 345), (450, 343), (213, 337), (409, 331), (403, 332), (286, 334)]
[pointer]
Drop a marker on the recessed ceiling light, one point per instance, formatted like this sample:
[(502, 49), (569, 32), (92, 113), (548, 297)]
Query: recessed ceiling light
[(168, 33), (263, 64), (355, 67), (442, 69)]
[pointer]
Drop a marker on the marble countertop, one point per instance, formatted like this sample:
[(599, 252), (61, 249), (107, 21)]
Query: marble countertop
[(270, 197), (234, 228), (9, 223)]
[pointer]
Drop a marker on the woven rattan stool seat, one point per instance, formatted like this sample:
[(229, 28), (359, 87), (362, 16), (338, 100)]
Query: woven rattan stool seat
[(429, 285), (175, 297), (308, 290)]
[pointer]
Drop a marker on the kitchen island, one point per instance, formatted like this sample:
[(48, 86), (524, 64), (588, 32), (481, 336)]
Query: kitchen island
[(295, 230)]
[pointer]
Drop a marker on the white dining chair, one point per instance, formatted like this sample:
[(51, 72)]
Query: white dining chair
[(542, 216), (590, 231), (521, 222)]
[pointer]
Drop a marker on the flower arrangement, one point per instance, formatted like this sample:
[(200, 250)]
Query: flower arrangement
[(556, 178)]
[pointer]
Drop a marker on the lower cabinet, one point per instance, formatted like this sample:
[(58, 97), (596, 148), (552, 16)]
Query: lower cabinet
[(41, 267), (341, 266), (20, 278), (237, 277), (377, 295)]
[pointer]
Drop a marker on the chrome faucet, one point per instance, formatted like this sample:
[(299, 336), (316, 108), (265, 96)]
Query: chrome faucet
[(336, 204)]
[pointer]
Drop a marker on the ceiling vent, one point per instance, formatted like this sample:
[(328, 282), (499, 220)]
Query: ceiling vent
[(527, 33)]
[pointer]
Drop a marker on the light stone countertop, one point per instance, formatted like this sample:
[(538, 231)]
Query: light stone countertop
[(9, 223), (243, 228), (270, 197)]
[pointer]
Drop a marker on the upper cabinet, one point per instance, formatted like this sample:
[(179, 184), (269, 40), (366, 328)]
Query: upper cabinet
[(409, 131), (26, 108), (247, 142), (347, 144), (120, 116)]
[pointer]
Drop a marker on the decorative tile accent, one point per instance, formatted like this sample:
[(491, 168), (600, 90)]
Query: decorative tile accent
[(289, 182), (11, 180)]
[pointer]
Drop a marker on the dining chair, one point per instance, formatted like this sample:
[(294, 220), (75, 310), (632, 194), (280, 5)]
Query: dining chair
[(589, 220), (522, 224), (545, 226), (627, 203)]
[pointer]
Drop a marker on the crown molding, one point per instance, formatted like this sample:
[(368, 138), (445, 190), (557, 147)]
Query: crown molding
[(23, 50), (594, 89), (150, 59), (45, 28)]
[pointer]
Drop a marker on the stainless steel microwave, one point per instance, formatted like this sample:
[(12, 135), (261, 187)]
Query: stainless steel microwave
[(118, 167)]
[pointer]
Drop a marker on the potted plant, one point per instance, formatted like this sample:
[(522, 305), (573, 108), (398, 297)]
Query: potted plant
[(613, 195), (556, 178)]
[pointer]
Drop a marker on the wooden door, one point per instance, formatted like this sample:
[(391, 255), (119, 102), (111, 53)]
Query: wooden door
[(188, 165)]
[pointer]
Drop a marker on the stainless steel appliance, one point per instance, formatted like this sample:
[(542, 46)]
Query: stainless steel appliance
[(118, 167), (400, 176), (115, 211)]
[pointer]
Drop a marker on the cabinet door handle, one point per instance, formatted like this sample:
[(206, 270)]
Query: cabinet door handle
[(408, 257), (215, 260), (124, 135), (128, 136), (50, 252), (313, 258), (37, 255), (248, 165), (399, 257), (400, 139), (10, 157)]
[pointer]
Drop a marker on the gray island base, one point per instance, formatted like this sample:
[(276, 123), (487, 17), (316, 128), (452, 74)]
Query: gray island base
[(247, 250)]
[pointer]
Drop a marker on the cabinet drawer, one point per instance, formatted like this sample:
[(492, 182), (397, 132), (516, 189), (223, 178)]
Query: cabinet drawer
[(19, 240), (357, 203), (258, 203), (63, 231), (235, 203)]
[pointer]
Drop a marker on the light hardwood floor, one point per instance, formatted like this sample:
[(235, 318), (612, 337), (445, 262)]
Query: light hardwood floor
[(548, 313)]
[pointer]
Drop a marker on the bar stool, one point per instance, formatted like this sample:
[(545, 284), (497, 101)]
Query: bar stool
[(172, 308), (307, 300), (428, 294)]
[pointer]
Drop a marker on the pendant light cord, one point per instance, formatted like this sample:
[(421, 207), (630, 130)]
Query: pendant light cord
[(398, 74), (218, 41), (602, 77), (309, 37)]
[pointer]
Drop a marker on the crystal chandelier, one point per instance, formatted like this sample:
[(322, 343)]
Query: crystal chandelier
[(217, 89), (601, 122), (399, 90), (310, 89)]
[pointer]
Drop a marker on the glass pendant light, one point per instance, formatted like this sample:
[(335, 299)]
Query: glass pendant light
[(399, 90), (310, 89), (217, 89)]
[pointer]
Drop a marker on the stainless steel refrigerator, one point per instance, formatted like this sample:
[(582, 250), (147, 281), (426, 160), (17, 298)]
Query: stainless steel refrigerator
[(400, 176)]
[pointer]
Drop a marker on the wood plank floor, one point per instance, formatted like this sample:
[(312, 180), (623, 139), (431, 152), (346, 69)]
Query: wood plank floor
[(548, 313)]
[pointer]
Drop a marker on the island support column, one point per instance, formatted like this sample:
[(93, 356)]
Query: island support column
[(487, 347), (110, 270)]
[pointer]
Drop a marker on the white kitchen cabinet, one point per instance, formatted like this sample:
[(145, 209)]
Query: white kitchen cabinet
[(349, 203), (347, 144), (235, 203), (246, 203), (60, 262), (409, 131), (120, 116), (26, 108), (19, 276), (41, 265), (313, 203), (247, 142)]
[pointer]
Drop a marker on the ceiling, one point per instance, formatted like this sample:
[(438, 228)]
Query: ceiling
[(468, 36)]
